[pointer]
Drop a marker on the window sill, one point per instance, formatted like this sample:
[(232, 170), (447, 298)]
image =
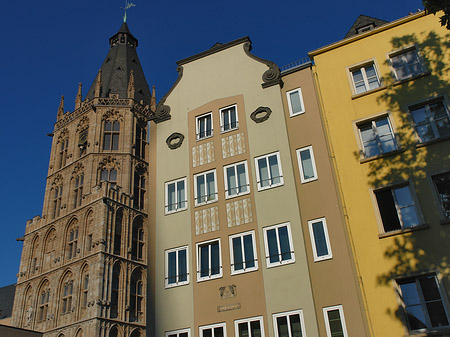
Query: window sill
[(383, 155), (269, 187), (430, 333), (205, 203), (209, 278), (368, 92), (203, 138), (227, 197), (445, 222), (412, 78), (176, 211), (430, 142), (296, 114), (279, 264), (403, 231), (230, 130)]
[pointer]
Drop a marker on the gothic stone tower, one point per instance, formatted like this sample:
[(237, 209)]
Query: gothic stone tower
[(84, 262)]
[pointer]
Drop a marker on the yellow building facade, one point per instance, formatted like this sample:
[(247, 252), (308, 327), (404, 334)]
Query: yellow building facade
[(384, 93)]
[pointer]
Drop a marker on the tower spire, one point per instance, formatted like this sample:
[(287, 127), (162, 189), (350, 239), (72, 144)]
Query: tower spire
[(153, 100), (60, 109), (79, 97)]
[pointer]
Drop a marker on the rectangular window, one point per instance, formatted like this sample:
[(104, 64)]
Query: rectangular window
[(397, 208), (111, 136), (209, 260), (319, 239), (215, 330), (377, 137), (278, 245), (306, 164), (334, 321), (295, 102), (289, 324), (177, 267), (406, 64), (228, 118), (176, 196), (205, 187), (204, 126), (178, 333), (243, 253), (442, 184), (78, 190), (249, 327), (365, 78), (422, 303), (236, 179), (431, 120), (268, 171)]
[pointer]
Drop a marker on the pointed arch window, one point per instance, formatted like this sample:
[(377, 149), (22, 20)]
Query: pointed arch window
[(78, 190), (137, 245), (43, 300), (82, 141), (136, 297), (115, 287), (72, 241), (66, 295), (57, 197), (113, 332), (49, 249), (111, 136), (27, 309), (118, 232), (136, 333), (84, 288), (139, 189), (141, 140), (63, 146), (34, 256)]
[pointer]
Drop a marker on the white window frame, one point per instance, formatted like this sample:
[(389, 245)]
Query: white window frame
[(248, 320), (245, 270), (287, 314), (177, 283), (372, 122), (300, 165), (415, 203), (210, 277), (266, 245), (260, 187), (207, 201), (432, 121), (178, 332), (222, 122), (445, 214), (197, 126), (288, 95), (313, 241), (212, 327), (423, 302), (225, 178), (403, 51), (341, 314), (362, 66), (166, 188)]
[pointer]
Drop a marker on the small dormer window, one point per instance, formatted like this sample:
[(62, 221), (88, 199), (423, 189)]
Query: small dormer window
[(365, 28)]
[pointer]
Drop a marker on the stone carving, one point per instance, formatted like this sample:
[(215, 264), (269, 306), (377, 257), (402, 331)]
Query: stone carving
[(83, 123), (109, 162), (272, 76), (112, 115), (175, 140), (29, 316), (77, 169), (227, 291), (261, 114)]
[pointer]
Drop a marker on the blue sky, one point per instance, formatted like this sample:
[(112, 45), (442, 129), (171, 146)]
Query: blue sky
[(48, 47)]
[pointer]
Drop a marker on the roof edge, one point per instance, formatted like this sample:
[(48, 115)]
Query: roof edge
[(216, 48), (351, 39)]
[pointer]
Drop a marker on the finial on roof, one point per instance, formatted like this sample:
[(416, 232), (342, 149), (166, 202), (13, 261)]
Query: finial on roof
[(60, 108), (131, 88), (98, 84), (153, 100), (128, 5), (79, 97)]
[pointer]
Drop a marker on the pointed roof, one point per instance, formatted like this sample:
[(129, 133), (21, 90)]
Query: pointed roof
[(122, 58), (364, 21)]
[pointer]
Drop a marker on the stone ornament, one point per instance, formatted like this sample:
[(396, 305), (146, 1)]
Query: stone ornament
[(261, 114), (175, 140), (270, 77), (227, 291)]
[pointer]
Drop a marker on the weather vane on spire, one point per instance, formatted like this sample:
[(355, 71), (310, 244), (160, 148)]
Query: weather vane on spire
[(128, 5)]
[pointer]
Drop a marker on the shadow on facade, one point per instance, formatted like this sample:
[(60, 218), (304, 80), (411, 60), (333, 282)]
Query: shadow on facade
[(421, 251)]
